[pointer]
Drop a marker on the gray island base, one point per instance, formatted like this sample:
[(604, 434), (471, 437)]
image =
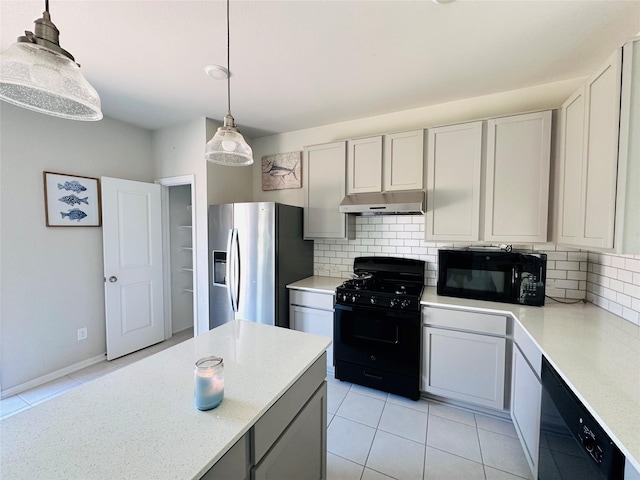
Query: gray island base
[(141, 422)]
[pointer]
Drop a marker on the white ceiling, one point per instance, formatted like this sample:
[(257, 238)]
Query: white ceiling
[(305, 63)]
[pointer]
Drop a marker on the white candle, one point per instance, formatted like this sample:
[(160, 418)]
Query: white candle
[(209, 383)]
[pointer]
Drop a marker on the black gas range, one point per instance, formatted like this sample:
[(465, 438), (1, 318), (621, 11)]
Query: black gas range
[(377, 325)]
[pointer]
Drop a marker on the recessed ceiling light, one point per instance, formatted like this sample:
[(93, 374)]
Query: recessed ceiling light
[(216, 71), (443, 2)]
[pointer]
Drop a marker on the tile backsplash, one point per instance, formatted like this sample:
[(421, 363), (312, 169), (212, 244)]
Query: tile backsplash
[(610, 281), (613, 283)]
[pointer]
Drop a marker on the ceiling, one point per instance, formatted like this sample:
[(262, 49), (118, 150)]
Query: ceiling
[(306, 63)]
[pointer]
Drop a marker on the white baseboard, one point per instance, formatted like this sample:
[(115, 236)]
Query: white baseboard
[(36, 382)]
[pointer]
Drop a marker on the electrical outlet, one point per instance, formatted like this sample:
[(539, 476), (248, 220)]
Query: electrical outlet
[(82, 333)]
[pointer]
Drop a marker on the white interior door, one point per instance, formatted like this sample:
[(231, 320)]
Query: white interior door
[(132, 245)]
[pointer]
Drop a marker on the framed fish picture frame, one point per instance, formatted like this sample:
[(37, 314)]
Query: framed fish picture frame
[(71, 200), (282, 170)]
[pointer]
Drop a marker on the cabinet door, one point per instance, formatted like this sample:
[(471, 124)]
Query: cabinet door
[(526, 392), (570, 173), (301, 452), (602, 115), (324, 179), (234, 465), (517, 188), (312, 320), (464, 366), (454, 160), (403, 161), (364, 165)]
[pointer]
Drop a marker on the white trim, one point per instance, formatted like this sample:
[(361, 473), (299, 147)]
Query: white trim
[(166, 183), (36, 382)]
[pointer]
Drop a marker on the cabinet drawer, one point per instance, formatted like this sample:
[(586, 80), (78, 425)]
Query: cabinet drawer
[(304, 298), (528, 347), (462, 320)]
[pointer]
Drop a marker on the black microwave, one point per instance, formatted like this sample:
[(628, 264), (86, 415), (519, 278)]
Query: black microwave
[(497, 276)]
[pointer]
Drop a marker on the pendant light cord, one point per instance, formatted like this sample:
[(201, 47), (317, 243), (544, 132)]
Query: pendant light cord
[(228, 68), (46, 6)]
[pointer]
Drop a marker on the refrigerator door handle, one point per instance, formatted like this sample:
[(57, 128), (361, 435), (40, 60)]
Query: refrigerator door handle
[(231, 269), (236, 267)]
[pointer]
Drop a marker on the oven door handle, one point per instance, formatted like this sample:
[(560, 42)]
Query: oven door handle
[(379, 340)]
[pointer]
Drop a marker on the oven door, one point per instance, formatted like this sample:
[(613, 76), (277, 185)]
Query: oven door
[(377, 338), (491, 276)]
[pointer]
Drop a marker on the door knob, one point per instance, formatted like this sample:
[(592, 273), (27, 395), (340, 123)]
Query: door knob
[(113, 278)]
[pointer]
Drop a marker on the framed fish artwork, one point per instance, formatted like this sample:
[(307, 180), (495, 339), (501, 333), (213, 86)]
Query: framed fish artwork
[(71, 200), (281, 171)]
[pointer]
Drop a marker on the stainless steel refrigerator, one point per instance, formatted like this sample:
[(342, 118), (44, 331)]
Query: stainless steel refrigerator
[(255, 250)]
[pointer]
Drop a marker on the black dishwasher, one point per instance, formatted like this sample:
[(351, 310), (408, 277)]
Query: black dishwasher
[(572, 443)]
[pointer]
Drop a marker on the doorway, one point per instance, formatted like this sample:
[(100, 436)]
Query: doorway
[(179, 254)]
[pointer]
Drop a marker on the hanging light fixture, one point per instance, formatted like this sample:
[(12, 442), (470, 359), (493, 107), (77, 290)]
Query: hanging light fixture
[(37, 74), (227, 146)]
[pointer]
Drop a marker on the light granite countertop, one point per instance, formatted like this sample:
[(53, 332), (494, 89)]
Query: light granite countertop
[(596, 352), (140, 421), (317, 284)]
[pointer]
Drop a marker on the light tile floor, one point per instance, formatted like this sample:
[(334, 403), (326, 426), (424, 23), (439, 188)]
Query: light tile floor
[(376, 436), (22, 401), (371, 435)]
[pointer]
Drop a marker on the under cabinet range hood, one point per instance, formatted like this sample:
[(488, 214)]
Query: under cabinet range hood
[(389, 203)]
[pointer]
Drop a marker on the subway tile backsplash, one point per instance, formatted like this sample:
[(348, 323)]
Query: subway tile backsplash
[(611, 282)]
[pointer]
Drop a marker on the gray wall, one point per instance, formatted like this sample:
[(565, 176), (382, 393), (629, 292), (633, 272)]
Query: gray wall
[(51, 279)]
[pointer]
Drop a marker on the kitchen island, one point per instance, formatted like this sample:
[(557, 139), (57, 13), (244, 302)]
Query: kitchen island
[(141, 422)]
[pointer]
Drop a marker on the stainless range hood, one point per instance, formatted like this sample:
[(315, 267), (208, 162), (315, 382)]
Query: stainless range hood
[(389, 203)]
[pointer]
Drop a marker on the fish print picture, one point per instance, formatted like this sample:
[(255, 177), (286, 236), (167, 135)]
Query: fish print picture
[(74, 214), (281, 171), (74, 186), (71, 200)]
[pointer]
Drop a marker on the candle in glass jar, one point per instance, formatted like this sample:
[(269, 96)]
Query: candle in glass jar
[(209, 383)]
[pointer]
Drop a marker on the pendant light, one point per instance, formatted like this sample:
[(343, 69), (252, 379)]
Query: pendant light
[(37, 74), (227, 146)]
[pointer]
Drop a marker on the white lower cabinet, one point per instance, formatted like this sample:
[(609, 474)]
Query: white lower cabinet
[(526, 391), (630, 473), (312, 312), (525, 407), (464, 365)]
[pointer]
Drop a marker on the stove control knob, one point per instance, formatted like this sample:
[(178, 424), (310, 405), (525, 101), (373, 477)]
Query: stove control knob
[(589, 444), (373, 300), (344, 297), (354, 298), (404, 304), (393, 303)]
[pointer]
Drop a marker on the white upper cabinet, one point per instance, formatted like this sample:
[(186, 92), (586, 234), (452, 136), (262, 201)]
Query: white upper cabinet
[(600, 153), (570, 172), (599, 169), (453, 181), (324, 179), (403, 161), (364, 165), (517, 178), (627, 226), (388, 163)]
